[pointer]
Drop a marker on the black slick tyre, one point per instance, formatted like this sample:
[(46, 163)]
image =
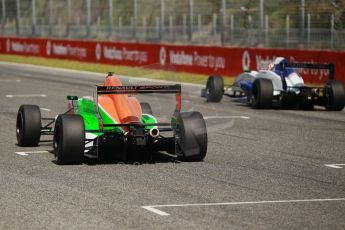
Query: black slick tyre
[(69, 139), (262, 93), (28, 125), (334, 95), (214, 88), (191, 136), (146, 108)]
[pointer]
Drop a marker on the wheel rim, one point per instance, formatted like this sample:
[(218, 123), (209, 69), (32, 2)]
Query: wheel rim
[(179, 135), (328, 96), (56, 140), (208, 86), (255, 96), (19, 126)]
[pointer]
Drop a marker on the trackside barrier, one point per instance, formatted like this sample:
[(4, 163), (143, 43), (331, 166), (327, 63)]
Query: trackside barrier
[(207, 60)]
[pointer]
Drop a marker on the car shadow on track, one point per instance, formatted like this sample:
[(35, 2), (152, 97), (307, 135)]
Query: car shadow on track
[(242, 102), (157, 158)]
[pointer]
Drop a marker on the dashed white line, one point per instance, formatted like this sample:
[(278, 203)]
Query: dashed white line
[(22, 153), (25, 95), (45, 109), (30, 152), (335, 166), (154, 208), (226, 117)]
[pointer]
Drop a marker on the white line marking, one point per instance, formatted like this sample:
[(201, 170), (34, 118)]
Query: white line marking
[(25, 95), (45, 109), (154, 208), (9, 80), (335, 166), (226, 117), (30, 152), (22, 153)]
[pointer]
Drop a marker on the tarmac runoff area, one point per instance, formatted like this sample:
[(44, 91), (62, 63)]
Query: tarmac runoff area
[(265, 169)]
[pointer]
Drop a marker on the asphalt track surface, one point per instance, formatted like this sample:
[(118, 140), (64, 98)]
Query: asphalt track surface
[(275, 160)]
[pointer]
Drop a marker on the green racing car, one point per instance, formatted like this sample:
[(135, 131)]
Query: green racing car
[(114, 123)]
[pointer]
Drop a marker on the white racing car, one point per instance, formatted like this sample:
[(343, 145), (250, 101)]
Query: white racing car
[(280, 85)]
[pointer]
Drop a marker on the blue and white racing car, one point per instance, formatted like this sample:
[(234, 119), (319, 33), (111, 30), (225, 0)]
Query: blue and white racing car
[(280, 85)]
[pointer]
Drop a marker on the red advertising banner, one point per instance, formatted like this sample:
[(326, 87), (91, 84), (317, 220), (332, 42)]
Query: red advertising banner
[(228, 61)]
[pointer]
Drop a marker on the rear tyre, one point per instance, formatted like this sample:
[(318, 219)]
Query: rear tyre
[(69, 139), (335, 95), (214, 88), (191, 136), (146, 108), (28, 125), (262, 94)]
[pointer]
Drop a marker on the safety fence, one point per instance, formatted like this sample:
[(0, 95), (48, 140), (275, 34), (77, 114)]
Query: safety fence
[(307, 24)]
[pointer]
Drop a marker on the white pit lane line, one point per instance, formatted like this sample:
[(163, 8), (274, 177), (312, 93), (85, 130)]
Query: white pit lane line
[(335, 166), (25, 95), (30, 152), (154, 208)]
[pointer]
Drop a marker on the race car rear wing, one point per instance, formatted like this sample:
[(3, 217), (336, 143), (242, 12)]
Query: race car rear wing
[(139, 89), (302, 65)]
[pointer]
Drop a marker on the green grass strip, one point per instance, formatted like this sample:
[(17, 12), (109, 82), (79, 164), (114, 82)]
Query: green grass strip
[(120, 70)]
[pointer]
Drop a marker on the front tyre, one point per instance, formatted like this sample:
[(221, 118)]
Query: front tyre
[(214, 88), (335, 95), (262, 94), (69, 139), (28, 125), (191, 136)]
